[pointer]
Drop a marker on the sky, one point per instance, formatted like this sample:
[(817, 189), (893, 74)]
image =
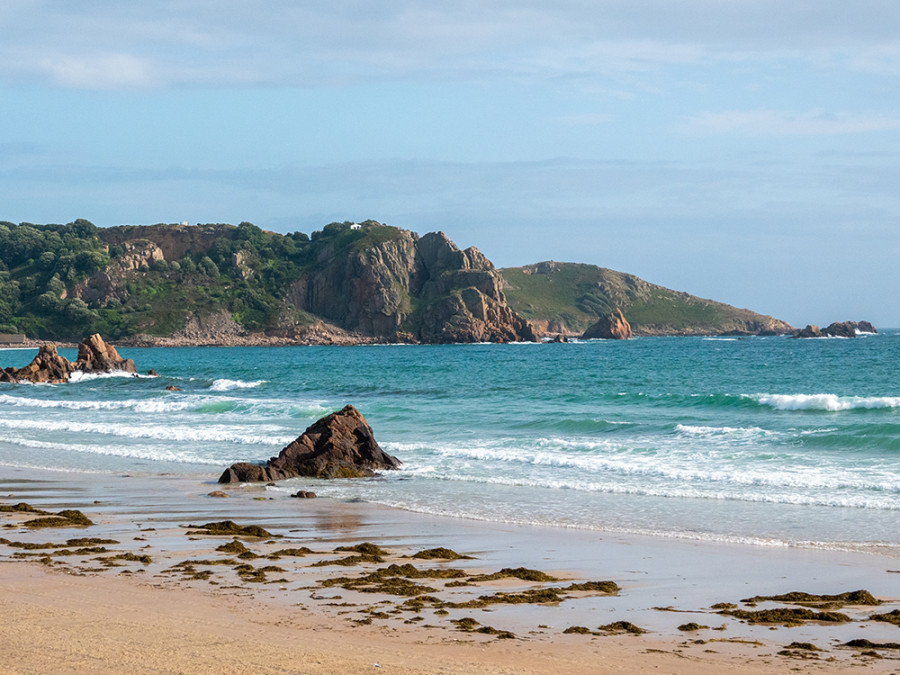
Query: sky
[(746, 151)]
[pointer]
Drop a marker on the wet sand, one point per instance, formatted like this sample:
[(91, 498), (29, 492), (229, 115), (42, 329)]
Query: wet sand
[(183, 610)]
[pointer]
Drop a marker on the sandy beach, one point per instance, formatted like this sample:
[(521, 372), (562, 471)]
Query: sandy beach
[(163, 599)]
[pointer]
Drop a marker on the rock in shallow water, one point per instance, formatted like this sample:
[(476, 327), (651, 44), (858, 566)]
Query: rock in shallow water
[(340, 445)]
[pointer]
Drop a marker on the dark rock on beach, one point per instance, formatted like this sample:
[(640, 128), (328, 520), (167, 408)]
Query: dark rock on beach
[(340, 445), (95, 356), (612, 326)]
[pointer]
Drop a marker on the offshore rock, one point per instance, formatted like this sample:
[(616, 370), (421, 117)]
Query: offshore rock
[(95, 356), (612, 326), (47, 367), (846, 329), (340, 445)]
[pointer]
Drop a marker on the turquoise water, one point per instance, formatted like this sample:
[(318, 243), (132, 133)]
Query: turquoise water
[(769, 440)]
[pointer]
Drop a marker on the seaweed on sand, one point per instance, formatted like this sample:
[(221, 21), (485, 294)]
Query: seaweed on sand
[(469, 625), (64, 518), (793, 616), (888, 617), (366, 548), (860, 597), (622, 627), (867, 644), (229, 528), (440, 553)]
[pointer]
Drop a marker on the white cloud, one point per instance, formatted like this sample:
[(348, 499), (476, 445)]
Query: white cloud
[(99, 71), (787, 123)]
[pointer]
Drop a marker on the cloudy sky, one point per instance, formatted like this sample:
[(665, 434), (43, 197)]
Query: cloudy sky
[(742, 150)]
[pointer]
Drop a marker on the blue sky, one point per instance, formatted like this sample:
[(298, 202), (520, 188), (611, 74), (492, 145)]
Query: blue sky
[(746, 151)]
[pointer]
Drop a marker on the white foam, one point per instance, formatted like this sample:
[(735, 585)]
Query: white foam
[(144, 406), (133, 451), (81, 376), (224, 384), (256, 435), (827, 402)]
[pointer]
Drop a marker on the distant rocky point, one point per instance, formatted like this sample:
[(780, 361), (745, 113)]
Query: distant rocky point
[(612, 326), (94, 356), (339, 445), (846, 329)]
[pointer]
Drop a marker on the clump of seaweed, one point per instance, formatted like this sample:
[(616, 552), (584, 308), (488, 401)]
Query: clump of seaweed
[(290, 552), (64, 518), (22, 507), (469, 625), (440, 553), (128, 557), (806, 646), (522, 573), (28, 546), (350, 561), (89, 541), (366, 548), (579, 630), (793, 616), (258, 574), (229, 528), (622, 627), (607, 587), (532, 596), (860, 597), (888, 617), (724, 605), (867, 644), (690, 627), (234, 546)]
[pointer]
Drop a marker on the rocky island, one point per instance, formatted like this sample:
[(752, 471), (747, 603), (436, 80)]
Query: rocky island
[(94, 356)]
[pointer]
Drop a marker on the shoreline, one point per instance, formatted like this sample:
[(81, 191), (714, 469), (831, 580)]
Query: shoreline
[(664, 583)]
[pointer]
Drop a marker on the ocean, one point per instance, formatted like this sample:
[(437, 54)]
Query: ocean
[(765, 440)]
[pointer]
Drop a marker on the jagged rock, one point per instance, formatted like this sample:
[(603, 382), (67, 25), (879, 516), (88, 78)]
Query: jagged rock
[(47, 366), (172, 387), (424, 287), (340, 445), (840, 329), (612, 326), (304, 494), (847, 329), (95, 356), (864, 327), (811, 331), (558, 339)]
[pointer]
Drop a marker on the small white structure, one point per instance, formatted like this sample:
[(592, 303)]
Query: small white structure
[(184, 222), (355, 226)]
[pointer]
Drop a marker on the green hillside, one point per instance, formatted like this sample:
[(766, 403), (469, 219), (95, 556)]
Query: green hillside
[(569, 297)]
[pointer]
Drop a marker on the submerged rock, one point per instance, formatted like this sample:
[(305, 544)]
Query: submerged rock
[(612, 326), (340, 445)]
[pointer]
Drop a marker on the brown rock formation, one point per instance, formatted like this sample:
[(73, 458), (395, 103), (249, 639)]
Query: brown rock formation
[(94, 356), (424, 287), (612, 326), (846, 329), (340, 445), (47, 366)]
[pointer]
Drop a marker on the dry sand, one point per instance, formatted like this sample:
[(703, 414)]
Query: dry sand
[(80, 613)]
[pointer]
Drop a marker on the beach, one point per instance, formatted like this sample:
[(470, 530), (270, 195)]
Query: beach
[(98, 613)]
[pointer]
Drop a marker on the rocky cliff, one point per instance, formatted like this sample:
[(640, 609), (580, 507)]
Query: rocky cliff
[(409, 287)]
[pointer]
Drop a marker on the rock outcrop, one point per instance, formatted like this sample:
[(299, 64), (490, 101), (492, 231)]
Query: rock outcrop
[(612, 326), (47, 367), (340, 445), (404, 287), (845, 329), (94, 356)]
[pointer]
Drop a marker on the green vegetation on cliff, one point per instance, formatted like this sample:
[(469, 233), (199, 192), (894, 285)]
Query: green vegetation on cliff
[(203, 281), (569, 297)]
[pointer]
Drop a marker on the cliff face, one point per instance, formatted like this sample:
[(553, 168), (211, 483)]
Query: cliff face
[(173, 240), (421, 288)]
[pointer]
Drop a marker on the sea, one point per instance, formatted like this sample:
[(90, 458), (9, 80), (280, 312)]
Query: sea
[(769, 441)]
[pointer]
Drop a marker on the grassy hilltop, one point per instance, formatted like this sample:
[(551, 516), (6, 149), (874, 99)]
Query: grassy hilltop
[(569, 297)]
